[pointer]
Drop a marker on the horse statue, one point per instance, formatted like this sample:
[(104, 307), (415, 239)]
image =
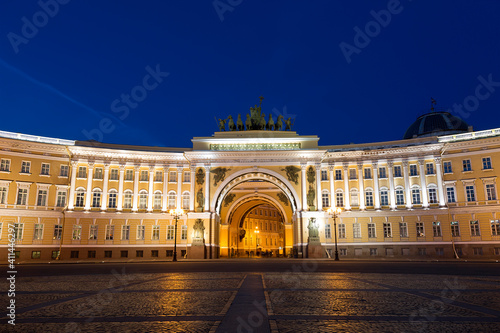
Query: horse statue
[(262, 125), (279, 123), (248, 122), (270, 123), (230, 124), (239, 123), (288, 123), (222, 124)]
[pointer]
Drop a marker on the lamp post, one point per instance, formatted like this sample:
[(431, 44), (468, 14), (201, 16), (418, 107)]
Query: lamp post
[(256, 235), (334, 213), (176, 213)]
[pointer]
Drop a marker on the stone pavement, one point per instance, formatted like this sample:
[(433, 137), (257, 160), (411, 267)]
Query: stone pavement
[(294, 301)]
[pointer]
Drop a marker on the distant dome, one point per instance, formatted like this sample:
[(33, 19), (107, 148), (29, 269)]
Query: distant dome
[(436, 123)]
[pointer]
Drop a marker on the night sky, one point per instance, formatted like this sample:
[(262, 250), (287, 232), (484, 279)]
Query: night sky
[(157, 73)]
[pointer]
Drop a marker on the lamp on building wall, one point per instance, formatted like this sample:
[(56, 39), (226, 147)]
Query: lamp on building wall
[(176, 213), (256, 239), (334, 213)]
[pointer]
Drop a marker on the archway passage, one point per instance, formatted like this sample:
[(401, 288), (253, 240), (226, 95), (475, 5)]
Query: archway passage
[(256, 224)]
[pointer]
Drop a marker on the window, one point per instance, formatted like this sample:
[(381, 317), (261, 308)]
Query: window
[(45, 171), (139, 253), (154, 253), (387, 230), (3, 195), (25, 167), (447, 167), (430, 168), (356, 230), (157, 201), (371, 230), (474, 228), (158, 176), (439, 251), (80, 198), (436, 229), (77, 232), (184, 232), (156, 232), (74, 254), (432, 196), (112, 199), (5, 165), (325, 199), (98, 173), (42, 198), (328, 231), (61, 199), (352, 173), (478, 251), (96, 198), (129, 174), (368, 173), (169, 253), (490, 192), (22, 196), (397, 171), (369, 198), (466, 165), (108, 254), (18, 230), (124, 254), (338, 174), (340, 199), (113, 174), (486, 163), (55, 254), (415, 195), (384, 198), (143, 200), (185, 200), (354, 197), (495, 227), (187, 177), (455, 229), (373, 251), (82, 172), (382, 173), (141, 231), (400, 197), (420, 229), (125, 232), (403, 229), (497, 251), (170, 232), (342, 230), (172, 177), (144, 176), (450, 194), (324, 175), (35, 254), (91, 254), (127, 200), (110, 232), (38, 232), (422, 251), (93, 232), (471, 195), (57, 232), (171, 200), (413, 170)]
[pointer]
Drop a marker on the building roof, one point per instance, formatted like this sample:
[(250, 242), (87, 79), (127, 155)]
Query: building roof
[(436, 124)]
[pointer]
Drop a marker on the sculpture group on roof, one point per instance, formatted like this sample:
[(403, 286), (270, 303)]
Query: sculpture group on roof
[(255, 121)]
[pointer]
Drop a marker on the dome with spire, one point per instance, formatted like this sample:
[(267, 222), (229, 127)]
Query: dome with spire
[(436, 123)]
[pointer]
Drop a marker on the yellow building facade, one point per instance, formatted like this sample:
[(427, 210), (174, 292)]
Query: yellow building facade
[(422, 197)]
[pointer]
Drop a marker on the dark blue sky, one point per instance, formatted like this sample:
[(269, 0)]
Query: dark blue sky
[(62, 78)]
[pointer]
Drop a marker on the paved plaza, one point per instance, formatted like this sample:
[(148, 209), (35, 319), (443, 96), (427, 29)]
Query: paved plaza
[(294, 296)]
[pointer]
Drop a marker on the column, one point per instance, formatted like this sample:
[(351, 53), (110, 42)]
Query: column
[(361, 185), (392, 193), (71, 202), (104, 196), (137, 169), (409, 204), (164, 205), (333, 201), (347, 196), (423, 184), (318, 187), (88, 196), (150, 187), (179, 186), (303, 182), (439, 176), (119, 205), (207, 187), (192, 188), (376, 190)]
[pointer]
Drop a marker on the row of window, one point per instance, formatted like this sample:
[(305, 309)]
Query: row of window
[(107, 254), (264, 226), (403, 229), (129, 175), (26, 168), (439, 251), (263, 212)]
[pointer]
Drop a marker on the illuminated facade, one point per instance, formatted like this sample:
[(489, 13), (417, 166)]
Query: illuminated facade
[(424, 197)]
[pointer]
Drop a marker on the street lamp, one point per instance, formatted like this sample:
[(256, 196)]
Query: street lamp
[(176, 213), (256, 235), (335, 213)]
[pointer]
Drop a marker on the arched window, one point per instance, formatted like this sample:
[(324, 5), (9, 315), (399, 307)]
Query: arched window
[(369, 196), (185, 200), (432, 191), (400, 195), (325, 198), (96, 198), (127, 199), (112, 198), (339, 195), (354, 197), (171, 200), (157, 200), (80, 197), (415, 195), (143, 199), (384, 196)]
